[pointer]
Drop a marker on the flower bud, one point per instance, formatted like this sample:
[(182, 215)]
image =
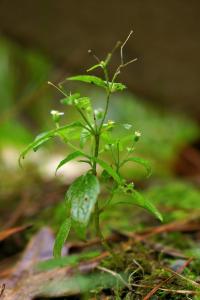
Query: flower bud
[(137, 136), (56, 115)]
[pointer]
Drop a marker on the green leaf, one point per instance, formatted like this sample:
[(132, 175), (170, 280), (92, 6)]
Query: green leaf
[(105, 176), (139, 200), (116, 86), (83, 103), (41, 139), (145, 163), (84, 137), (70, 99), (107, 137), (71, 133), (89, 79), (82, 196), (70, 157), (44, 137), (70, 260), (61, 237), (109, 170), (113, 86)]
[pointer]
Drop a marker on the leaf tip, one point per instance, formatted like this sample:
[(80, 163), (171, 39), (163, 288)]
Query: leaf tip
[(160, 217)]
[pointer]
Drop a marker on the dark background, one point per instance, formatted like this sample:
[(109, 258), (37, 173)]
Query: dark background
[(166, 41)]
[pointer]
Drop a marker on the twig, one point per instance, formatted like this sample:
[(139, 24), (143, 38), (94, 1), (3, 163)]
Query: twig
[(184, 278), (129, 62), (115, 47), (184, 226), (8, 232), (135, 271), (189, 292), (156, 288), (2, 289), (122, 46), (122, 64), (116, 275), (94, 55)]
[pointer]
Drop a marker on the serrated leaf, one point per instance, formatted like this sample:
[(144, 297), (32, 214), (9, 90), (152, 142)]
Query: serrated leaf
[(145, 163), (61, 237), (89, 79), (83, 103), (82, 196), (70, 99), (139, 200), (70, 157), (44, 137), (116, 86), (109, 170)]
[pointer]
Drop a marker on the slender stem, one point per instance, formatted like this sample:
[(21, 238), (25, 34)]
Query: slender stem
[(100, 235), (96, 220), (126, 156), (113, 155), (106, 76), (106, 110), (79, 110), (85, 119), (97, 135), (107, 201), (118, 158), (72, 146), (96, 153), (94, 170), (97, 211), (57, 88), (95, 123)]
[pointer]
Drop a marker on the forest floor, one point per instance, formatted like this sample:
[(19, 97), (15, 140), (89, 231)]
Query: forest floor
[(151, 261)]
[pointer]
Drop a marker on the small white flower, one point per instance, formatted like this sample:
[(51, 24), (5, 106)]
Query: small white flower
[(111, 122), (56, 113), (137, 133), (130, 149)]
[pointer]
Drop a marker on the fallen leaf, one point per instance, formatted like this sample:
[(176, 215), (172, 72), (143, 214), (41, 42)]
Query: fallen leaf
[(26, 282), (11, 231), (54, 283)]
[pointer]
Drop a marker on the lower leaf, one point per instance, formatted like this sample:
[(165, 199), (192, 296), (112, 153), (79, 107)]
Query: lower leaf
[(139, 200), (81, 197), (61, 237)]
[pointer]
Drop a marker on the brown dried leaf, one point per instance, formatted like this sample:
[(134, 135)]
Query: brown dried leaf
[(26, 283), (11, 231)]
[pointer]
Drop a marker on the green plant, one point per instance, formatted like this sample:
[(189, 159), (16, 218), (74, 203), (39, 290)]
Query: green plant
[(82, 203)]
